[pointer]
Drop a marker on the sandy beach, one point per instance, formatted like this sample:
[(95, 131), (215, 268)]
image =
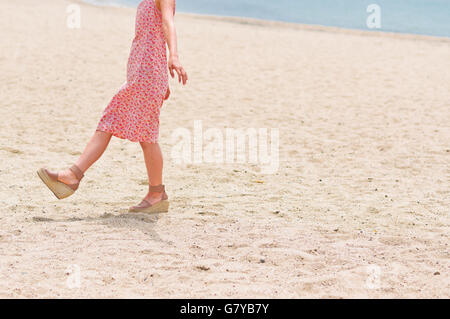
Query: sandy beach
[(358, 208)]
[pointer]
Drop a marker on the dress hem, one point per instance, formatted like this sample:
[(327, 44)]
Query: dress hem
[(118, 135)]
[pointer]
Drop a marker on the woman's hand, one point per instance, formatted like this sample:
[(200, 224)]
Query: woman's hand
[(175, 65)]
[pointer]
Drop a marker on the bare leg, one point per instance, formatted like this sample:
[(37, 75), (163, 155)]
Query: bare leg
[(154, 163), (93, 151)]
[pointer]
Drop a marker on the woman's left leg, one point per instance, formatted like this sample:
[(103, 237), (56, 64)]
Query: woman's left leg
[(154, 163), (64, 183)]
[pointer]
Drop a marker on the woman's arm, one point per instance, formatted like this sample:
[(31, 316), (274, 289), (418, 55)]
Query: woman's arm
[(167, 8)]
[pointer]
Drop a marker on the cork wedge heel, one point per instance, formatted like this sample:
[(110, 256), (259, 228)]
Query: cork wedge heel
[(58, 188), (157, 208)]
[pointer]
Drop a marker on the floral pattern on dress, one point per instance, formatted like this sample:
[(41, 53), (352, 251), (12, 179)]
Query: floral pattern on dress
[(133, 112)]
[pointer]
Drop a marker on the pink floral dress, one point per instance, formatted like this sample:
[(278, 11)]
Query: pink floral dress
[(133, 113)]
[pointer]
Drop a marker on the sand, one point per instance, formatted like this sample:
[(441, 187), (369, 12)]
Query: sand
[(359, 206)]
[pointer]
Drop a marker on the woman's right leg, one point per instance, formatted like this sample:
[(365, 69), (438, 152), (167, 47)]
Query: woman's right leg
[(93, 151)]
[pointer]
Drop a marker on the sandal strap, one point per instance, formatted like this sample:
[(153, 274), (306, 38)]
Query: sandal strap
[(146, 203), (78, 172), (157, 189)]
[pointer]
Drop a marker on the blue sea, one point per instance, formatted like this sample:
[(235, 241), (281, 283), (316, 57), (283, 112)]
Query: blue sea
[(427, 17)]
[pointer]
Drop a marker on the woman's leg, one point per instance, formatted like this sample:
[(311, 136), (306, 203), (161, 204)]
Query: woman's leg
[(93, 151), (154, 163)]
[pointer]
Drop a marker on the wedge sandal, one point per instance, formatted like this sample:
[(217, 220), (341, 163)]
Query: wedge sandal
[(147, 208), (58, 188)]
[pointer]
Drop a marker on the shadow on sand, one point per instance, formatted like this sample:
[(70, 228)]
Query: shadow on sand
[(132, 221)]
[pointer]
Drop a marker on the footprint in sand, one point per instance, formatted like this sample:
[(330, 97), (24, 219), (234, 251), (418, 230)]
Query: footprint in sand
[(392, 241), (208, 214), (10, 150), (373, 210), (42, 219)]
